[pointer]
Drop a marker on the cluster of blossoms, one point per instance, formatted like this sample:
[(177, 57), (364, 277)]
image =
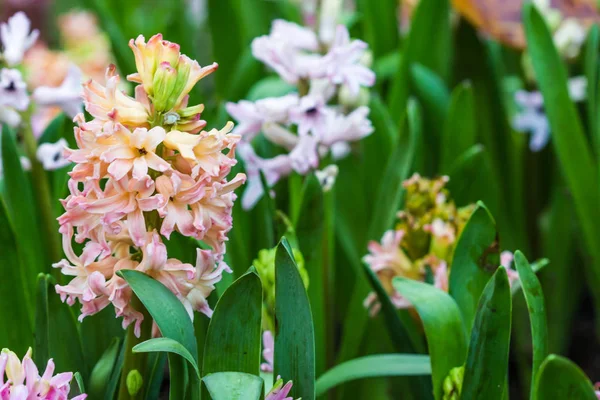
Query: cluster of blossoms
[(326, 114), (422, 244), (145, 170), (568, 35), (52, 91), (25, 383), (265, 266)]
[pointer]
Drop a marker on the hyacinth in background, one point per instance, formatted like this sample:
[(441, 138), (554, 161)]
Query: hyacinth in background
[(325, 114), (23, 380), (145, 168)]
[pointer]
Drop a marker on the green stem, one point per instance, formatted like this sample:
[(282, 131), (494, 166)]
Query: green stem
[(43, 194), (135, 361)]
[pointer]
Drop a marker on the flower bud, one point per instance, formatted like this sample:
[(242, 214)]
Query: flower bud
[(452, 385), (163, 85), (134, 382), (350, 100)]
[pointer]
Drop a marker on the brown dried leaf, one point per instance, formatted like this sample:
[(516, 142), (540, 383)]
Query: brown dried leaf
[(501, 19)]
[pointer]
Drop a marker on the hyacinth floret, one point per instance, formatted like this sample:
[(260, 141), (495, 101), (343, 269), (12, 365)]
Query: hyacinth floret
[(23, 380), (145, 170)]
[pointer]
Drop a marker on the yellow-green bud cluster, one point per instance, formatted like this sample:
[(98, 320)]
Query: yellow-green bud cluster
[(431, 221), (452, 385)]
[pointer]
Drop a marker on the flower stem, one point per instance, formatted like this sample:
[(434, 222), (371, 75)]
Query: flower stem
[(43, 194), (135, 361)]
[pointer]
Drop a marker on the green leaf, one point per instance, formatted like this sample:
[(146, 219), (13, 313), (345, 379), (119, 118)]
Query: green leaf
[(166, 345), (372, 367), (471, 268), (227, 39), (537, 312), (433, 95), (380, 25), (233, 339), (404, 334), (568, 137), (461, 126), (79, 380), (57, 331), (294, 338), (118, 40), (166, 309), (98, 384), (233, 386), (115, 376), (591, 73), (172, 320), (310, 234), (560, 379), (398, 168), (22, 214), (443, 324), (487, 360), (428, 43), (15, 306)]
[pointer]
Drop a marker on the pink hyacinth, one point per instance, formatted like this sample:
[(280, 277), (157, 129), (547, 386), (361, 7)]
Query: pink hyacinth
[(279, 390), (25, 383), (142, 174), (268, 352)]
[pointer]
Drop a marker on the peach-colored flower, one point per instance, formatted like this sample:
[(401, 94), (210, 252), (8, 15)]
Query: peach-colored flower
[(140, 174), (109, 103), (160, 60)]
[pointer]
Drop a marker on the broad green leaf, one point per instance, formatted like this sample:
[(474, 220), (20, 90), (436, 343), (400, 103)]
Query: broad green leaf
[(560, 379), (15, 305), (233, 386), (234, 333), (377, 148), (247, 71), (118, 40), (443, 324), (172, 320), (379, 24), (568, 137), (537, 312), (372, 367), (294, 338), (463, 173), (227, 39), (428, 43), (475, 260), (22, 214), (103, 370), (486, 367), (563, 278), (433, 96), (310, 233), (460, 132), (166, 309), (591, 73), (404, 334), (113, 383), (166, 345), (57, 333), (390, 193), (155, 374)]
